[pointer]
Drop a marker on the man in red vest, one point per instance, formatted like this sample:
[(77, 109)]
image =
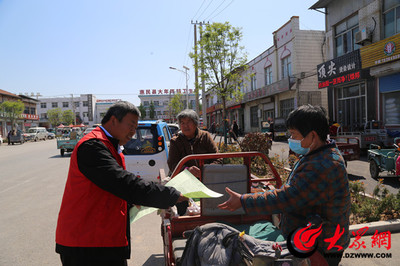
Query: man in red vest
[(93, 225)]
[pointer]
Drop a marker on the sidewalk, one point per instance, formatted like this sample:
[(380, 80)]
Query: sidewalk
[(379, 254)]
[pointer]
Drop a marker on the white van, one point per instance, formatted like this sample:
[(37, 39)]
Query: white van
[(37, 133)]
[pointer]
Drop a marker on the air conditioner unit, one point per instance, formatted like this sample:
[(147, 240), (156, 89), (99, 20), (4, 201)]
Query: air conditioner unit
[(362, 35)]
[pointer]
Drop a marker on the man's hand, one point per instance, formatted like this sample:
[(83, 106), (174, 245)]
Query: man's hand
[(182, 198), (194, 170), (233, 203)]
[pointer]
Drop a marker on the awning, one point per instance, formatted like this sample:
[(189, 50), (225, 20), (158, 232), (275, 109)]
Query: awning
[(321, 4)]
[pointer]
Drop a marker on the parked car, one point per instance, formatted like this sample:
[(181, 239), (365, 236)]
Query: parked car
[(88, 130), (147, 152), (279, 129), (174, 128), (37, 133), (17, 137), (50, 135)]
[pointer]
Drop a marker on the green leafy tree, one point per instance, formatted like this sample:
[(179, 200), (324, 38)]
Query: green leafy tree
[(12, 110), (176, 105), (223, 61), (54, 116), (152, 112), (142, 110), (68, 117)]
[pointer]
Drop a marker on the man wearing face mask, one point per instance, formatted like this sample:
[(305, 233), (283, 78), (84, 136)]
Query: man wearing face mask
[(318, 185)]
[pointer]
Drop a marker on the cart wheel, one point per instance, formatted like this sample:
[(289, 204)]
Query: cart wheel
[(373, 169), (62, 151)]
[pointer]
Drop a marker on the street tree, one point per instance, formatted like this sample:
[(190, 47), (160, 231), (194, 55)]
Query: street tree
[(12, 110), (176, 105), (142, 110), (223, 62), (152, 112), (68, 117), (54, 116)]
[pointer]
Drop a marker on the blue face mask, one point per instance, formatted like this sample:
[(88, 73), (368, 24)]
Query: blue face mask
[(295, 146)]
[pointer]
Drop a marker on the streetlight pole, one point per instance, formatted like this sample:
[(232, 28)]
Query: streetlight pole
[(187, 77)]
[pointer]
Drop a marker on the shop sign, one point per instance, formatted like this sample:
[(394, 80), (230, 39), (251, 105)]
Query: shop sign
[(381, 52), (107, 100), (29, 117), (275, 88), (163, 91), (341, 79), (339, 66)]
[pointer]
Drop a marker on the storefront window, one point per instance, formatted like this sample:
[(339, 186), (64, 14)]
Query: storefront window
[(392, 108), (254, 116), (286, 107), (351, 107)]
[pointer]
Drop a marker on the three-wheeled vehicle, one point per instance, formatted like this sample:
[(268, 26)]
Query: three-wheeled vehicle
[(17, 137), (349, 147), (265, 126), (216, 178), (67, 141), (383, 159)]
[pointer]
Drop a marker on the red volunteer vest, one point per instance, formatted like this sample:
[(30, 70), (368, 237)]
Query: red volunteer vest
[(90, 216)]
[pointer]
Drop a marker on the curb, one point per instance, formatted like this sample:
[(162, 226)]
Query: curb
[(392, 226)]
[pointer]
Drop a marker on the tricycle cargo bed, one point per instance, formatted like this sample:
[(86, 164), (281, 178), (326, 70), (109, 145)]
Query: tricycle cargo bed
[(349, 147), (217, 178)]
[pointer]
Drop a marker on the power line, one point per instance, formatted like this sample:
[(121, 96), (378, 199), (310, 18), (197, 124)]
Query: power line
[(215, 9), (199, 9), (205, 10), (223, 9)]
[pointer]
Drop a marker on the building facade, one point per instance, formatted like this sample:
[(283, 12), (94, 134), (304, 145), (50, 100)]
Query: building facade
[(278, 80), (161, 99), (362, 68), (102, 107), (27, 119), (83, 107)]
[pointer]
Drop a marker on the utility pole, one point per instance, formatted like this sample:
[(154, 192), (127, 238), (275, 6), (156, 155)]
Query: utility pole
[(196, 74), (73, 108), (203, 92)]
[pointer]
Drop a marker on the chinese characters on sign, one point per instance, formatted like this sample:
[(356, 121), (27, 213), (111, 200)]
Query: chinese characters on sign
[(338, 80), (29, 117), (338, 70), (163, 91)]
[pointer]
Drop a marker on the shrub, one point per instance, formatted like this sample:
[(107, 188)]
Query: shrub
[(256, 141)]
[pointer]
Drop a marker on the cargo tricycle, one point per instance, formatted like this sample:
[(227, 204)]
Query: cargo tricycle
[(383, 159), (174, 228), (349, 147)]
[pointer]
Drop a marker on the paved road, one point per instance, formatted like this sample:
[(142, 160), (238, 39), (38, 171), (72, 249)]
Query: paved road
[(32, 178), (358, 170)]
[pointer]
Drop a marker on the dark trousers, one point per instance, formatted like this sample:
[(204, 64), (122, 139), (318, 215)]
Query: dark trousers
[(79, 261)]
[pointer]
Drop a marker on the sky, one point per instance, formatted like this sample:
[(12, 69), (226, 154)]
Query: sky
[(115, 48)]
